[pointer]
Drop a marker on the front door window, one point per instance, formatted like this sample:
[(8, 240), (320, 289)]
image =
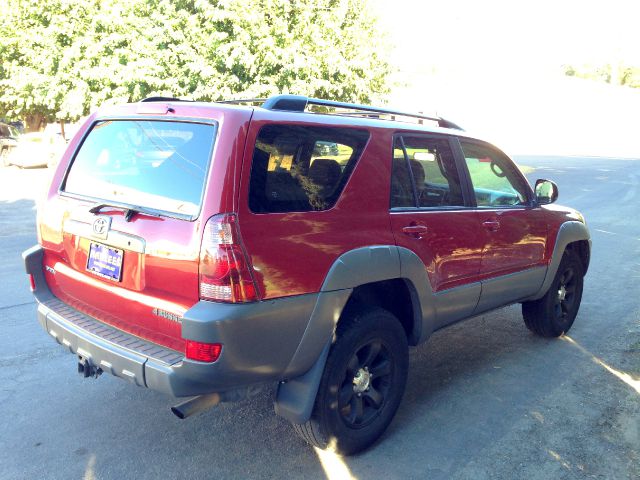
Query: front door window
[(495, 181)]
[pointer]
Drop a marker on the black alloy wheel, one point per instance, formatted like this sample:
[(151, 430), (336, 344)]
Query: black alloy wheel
[(565, 303), (365, 386), (362, 383), (554, 313)]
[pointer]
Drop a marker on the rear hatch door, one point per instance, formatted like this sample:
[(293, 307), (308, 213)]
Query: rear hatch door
[(130, 237)]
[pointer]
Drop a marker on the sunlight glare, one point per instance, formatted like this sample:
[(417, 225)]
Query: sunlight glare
[(625, 377), (333, 464), (89, 473)]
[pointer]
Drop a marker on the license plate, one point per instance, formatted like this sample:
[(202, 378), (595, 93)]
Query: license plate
[(105, 261)]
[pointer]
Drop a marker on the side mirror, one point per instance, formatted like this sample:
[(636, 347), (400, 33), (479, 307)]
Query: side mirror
[(546, 191)]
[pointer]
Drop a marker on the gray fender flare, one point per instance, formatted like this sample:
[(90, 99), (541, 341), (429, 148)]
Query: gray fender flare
[(296, 395), (569, 232)]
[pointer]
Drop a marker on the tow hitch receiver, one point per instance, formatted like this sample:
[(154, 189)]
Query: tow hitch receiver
[(87, 369)]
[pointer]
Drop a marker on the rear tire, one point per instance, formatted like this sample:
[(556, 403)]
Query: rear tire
[(554, 314), (362, 383)]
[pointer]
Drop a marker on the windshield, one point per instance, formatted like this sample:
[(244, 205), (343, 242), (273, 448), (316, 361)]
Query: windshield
[(160, 165)]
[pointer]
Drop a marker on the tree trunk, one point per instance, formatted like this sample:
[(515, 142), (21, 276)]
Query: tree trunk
[(35, 122)]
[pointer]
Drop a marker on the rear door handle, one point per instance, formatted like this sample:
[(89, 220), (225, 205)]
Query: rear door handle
[(491, 225), (415, 230)]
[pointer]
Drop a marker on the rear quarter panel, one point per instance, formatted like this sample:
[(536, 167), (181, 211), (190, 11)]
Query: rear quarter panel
[(292, 252)]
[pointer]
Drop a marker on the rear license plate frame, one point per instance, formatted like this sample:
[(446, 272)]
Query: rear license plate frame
[(105, 261)]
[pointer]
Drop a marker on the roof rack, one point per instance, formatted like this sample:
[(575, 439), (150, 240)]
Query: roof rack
[(163, 99), (299, 103)]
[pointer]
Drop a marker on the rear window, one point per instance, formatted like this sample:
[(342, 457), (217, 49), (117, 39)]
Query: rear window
[(301, 168), (154, 164)]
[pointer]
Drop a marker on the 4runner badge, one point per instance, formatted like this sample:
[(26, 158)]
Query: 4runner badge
[(101, 226), (168, 315)]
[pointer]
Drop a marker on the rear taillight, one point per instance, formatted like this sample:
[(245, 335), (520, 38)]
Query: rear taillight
[(225, 272), (32, 283), (202, 352)]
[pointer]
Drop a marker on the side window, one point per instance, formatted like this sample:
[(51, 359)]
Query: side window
[(429, 162), (401, 185), (301, 168), (495, 179)]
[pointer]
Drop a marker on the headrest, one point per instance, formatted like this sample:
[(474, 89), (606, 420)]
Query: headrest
[(325, 172)]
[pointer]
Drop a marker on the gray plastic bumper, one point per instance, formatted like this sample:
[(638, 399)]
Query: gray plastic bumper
[(110, 357), (259, 340)]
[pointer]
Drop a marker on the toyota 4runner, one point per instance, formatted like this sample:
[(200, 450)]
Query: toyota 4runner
[(204, 249)]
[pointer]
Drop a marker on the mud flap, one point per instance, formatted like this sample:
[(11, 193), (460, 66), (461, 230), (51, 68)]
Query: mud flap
[(296, 397)]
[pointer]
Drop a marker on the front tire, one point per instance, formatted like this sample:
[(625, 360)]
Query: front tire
[(362, 383), (554, 314)]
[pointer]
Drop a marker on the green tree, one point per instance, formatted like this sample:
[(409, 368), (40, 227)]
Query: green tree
[(34, 39), (616, 73), (62, 58)]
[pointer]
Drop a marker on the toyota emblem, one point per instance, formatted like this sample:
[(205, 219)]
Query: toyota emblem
[(101, 226)]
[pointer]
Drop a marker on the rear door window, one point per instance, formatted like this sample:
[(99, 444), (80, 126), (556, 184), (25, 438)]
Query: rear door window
[(302, 168), (159, 165), (424, 174)]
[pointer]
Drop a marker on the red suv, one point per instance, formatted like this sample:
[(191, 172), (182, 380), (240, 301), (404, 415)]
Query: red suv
[(204, 249)]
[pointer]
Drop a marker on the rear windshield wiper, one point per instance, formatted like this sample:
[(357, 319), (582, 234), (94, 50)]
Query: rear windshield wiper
[(129, 212)]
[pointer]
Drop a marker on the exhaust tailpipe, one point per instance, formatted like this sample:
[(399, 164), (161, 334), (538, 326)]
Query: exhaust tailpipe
[(196, 405)]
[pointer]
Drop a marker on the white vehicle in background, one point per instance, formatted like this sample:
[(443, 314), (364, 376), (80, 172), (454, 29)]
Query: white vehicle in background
[(8, 141), (37, 149)]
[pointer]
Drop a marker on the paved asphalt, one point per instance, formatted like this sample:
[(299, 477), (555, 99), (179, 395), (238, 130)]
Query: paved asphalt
[(485, 398)]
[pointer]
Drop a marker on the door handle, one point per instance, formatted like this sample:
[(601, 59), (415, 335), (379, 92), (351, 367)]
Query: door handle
[(491, 225), (416, 231)]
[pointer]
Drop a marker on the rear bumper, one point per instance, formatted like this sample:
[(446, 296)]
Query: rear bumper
[(259, 340), (90, 339)]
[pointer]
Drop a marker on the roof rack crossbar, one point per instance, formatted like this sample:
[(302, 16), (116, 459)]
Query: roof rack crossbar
[(163, 99), (243, 100), (299, 103)]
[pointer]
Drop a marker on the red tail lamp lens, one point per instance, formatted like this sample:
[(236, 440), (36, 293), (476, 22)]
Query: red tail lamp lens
[(203, 352), (225, 271), (32, 283)]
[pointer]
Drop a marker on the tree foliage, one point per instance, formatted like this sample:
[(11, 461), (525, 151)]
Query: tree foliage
[(62, 58), (616, 74)]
